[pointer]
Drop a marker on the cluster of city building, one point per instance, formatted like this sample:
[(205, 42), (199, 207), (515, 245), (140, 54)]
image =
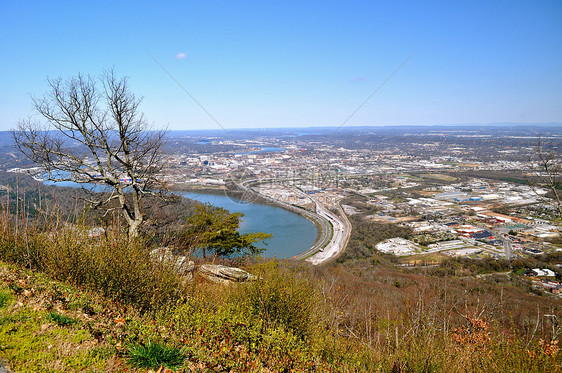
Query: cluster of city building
[(423, 187)]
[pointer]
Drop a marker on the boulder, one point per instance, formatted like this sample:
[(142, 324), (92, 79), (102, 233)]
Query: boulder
[(223, 274), (180, 263)]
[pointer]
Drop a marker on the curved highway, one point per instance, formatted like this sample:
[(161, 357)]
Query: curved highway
[(341, 228), (334, 229)]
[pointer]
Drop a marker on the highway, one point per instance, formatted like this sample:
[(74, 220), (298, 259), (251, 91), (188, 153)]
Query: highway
[(334, 230), (340, 237)]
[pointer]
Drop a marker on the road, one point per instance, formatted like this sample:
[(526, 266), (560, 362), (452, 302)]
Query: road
[(339, 231), (340, 237), (334, 230)]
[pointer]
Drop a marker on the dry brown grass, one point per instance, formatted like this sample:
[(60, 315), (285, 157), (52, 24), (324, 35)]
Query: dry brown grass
[(114, 265)]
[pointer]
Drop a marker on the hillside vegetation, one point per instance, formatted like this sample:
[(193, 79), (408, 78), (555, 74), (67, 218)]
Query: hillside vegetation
[(71, 302)]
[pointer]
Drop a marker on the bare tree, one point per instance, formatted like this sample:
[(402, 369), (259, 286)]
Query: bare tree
[(546, 165), (94, 132)]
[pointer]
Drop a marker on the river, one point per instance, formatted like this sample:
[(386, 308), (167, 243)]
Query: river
[(292, 234)]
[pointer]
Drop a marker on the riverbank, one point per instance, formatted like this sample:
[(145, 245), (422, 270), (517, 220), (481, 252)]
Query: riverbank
[(334, 229), (232, 190), (323, 225), (241, 192)]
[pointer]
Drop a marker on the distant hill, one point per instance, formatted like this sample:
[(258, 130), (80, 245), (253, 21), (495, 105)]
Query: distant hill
[(6, 138)]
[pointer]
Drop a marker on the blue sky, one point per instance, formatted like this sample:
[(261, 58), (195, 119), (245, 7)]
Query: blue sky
[(295, 63)]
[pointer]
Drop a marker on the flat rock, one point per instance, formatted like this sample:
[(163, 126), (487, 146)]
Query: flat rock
[(223, 274)]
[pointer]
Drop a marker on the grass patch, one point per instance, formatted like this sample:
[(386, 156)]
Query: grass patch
[(309, 255), (514, 180), (61, 320), (5, 298), (440, 177), (155, 355), (421, 259), (28, 345)]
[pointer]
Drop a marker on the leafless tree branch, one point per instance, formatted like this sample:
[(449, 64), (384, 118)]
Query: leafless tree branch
[(95, 132)]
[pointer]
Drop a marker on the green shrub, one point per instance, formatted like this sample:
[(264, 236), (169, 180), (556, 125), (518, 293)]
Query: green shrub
[(15, 288), (155, 355), (4, 299), (280, 298), (61, 320), (266, 325)]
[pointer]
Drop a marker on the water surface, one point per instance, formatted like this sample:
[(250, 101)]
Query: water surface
[(292, 234)]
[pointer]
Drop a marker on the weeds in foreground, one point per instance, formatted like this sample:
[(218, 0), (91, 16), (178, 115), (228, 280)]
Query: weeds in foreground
[(119, 268), (61, 320), (32, 341), (155, 355), (4, 298), (213, 330)]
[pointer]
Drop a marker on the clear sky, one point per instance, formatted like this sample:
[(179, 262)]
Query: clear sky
[(295, 63)]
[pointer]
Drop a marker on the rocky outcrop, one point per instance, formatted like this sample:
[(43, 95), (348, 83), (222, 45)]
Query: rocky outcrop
[(180, 263), (223, 274), (212, 272)]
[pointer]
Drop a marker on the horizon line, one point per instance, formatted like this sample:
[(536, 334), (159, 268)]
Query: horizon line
[(489, 124)]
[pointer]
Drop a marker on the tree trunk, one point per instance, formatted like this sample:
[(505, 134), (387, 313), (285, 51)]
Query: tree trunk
[(137, 215), (133, 230), (557, 198)]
